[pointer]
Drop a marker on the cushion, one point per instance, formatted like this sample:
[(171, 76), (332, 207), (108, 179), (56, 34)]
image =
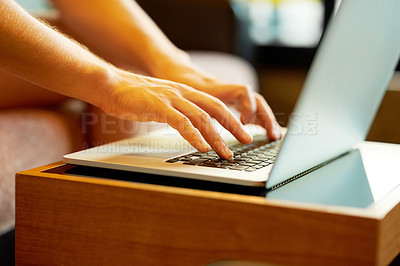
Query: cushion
[(29, 138)]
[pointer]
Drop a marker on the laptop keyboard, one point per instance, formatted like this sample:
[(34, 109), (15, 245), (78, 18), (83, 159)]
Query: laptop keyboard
[(250, 157)]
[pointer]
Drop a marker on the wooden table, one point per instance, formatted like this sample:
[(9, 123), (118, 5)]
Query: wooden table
[(101, 218)]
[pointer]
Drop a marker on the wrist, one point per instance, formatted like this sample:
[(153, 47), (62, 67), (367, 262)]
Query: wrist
[(97, 84), (162, 61)]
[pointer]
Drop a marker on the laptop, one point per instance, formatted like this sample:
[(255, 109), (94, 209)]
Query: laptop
[(343, 90)]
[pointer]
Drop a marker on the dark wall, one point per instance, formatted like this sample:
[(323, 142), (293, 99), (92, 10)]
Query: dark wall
[(194, 24)]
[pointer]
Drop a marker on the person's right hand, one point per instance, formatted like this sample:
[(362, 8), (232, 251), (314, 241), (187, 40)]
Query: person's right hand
[(189, 111)]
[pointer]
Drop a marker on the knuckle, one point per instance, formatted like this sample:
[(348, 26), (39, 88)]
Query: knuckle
[(183, 121), (192, 135), (160, 103), (190, 92), (204, 117), (181, 87), (217, 102), (171, 92), (259, 97), (187, 87), (246, 90)]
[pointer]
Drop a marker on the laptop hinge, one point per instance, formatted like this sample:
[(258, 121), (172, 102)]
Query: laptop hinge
[(293, 178)]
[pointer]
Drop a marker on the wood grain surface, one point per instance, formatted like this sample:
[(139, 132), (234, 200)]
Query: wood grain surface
[(70, 220)]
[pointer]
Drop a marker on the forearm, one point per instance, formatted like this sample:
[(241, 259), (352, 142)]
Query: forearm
[(122, 27), (37, 53)]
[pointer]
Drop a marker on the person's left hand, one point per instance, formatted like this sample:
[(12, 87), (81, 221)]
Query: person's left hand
[(252, 106)]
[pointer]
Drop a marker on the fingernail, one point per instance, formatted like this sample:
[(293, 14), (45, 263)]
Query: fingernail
[(249, 137), (277, 132), (228, 153), (205, 147)]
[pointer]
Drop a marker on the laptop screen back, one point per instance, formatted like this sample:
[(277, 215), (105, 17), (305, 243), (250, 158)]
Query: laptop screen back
[(344, 87)]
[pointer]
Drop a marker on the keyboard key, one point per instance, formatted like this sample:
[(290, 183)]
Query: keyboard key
[(250, 157), (219, 160), (247, 156), (197, 153), (189, 158), (264, 157), (254, 161), (246, 164), (240, 159), (210, 157), (173, 160), (211, 163), (196, 161), (208, 165), (238, 167)]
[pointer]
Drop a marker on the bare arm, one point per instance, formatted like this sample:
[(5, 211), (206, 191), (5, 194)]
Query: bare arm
[(37, 53), (125, 30), (123, 27)]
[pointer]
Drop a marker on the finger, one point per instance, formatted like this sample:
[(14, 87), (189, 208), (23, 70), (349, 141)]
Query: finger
[(245, 102), (203, 122), (240, 95), (248, 119), (248, 102), (222, 114), (267, 118), (185, 128)]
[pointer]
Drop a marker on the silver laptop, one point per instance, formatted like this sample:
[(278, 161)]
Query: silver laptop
[(342, 93)]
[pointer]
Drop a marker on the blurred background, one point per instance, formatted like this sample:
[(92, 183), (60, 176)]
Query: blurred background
[(278, 37)]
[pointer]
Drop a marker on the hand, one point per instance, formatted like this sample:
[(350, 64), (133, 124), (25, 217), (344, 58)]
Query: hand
[(252, 106), (189, 111)]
